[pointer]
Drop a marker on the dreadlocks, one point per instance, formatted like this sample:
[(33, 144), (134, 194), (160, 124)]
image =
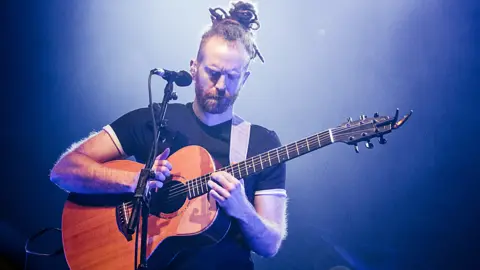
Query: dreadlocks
[(236, 25)]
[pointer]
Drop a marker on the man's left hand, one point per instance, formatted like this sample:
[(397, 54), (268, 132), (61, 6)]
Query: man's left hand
[(230, 194)]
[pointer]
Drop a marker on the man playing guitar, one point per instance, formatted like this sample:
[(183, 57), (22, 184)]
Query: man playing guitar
[(256, 204)]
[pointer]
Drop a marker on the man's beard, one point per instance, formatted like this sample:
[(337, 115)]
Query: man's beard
[(212, 102)]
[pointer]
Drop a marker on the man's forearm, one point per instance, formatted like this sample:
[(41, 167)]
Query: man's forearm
[(80, 174), (264, 237)]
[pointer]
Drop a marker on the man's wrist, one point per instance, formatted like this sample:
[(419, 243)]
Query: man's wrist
[(132, 182), (246, 212)]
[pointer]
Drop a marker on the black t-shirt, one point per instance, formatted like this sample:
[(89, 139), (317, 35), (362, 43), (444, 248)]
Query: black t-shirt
[(133, 133)]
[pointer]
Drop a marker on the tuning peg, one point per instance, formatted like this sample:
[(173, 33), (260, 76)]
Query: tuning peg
[(363, 117), (349, 119), (369, 145), (356, 148), (375, 114), (382, 140)]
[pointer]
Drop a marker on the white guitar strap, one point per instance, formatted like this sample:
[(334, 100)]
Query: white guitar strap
[(239, 139)]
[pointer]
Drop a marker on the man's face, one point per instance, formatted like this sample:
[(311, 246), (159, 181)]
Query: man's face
[(220, 74)]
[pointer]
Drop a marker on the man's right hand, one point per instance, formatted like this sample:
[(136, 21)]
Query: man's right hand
[(161, 167)]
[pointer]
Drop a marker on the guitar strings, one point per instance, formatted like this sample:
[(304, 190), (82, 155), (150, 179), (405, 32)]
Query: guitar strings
[(200, 182), (181, 190)]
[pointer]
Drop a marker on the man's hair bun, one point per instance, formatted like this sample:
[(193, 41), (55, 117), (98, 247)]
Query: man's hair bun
[(236, 24), (242, 12)]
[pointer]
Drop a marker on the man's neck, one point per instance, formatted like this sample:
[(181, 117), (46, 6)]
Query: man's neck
[(210, 119)]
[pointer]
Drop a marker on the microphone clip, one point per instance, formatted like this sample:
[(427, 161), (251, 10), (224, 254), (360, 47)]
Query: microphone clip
[(181, 78)]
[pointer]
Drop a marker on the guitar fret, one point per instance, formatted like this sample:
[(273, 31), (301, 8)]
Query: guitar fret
[(288, 154), (201, 185), (194, 185), (318, 139), (197, 186), (261, 163), (269, 160), (326, 139), (331, 134), (188, 187), (278, 156), (244, 166), (308, 147), (239, 170), (296, 145)]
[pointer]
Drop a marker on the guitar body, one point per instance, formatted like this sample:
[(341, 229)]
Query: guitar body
[(94, 226)]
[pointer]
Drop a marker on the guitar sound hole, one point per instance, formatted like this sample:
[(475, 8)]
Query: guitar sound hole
[(168, 199)]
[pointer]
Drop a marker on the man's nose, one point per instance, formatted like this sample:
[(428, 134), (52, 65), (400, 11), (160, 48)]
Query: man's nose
[(221, 84)]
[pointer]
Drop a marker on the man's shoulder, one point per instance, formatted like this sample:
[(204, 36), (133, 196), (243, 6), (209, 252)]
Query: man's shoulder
[(147, 111), (265, 135), (262, 130), (142, 116)]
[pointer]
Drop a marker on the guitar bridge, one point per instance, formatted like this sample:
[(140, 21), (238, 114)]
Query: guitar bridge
[(122, 214)]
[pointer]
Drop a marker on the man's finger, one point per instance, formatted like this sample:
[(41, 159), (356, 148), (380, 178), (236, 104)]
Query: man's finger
[(163, 155), (220, 190), (155, 184), (230, 178), (164, 170), (217, 196), (223, 181), (165, 163), (159, 176)]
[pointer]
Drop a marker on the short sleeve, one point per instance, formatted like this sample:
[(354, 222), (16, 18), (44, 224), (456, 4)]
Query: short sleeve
[(128, 131), (272, 180)]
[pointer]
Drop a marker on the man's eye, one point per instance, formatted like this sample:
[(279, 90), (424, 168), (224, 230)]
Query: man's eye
[(233, 76), (215, 74)]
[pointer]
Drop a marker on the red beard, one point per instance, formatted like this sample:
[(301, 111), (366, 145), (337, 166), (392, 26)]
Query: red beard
[(213, 101)]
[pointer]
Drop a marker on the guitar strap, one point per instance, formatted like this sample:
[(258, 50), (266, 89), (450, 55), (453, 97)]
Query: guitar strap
[(239, 139)]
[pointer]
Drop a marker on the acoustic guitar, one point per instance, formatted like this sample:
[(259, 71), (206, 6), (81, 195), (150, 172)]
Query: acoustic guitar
[(94, 226)]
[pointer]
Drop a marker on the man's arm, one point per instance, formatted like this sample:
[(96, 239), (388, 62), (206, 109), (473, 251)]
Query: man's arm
[(265, 225), (80, 168)]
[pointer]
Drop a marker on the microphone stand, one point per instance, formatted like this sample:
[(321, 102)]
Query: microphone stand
[(141, 198)]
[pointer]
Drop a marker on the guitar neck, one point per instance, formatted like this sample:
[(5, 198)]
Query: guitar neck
[(260, 162)]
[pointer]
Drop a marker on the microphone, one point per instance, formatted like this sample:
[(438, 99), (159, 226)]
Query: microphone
[(181, 78)]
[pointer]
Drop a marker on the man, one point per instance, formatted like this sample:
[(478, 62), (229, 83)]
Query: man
[(257, 205)]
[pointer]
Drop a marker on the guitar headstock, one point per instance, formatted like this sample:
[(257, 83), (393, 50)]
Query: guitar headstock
[(367, 128)]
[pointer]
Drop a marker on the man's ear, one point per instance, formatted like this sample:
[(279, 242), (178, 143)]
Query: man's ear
[(193, 68)]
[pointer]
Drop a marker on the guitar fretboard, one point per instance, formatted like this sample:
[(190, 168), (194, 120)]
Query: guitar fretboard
[(253, 165)]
